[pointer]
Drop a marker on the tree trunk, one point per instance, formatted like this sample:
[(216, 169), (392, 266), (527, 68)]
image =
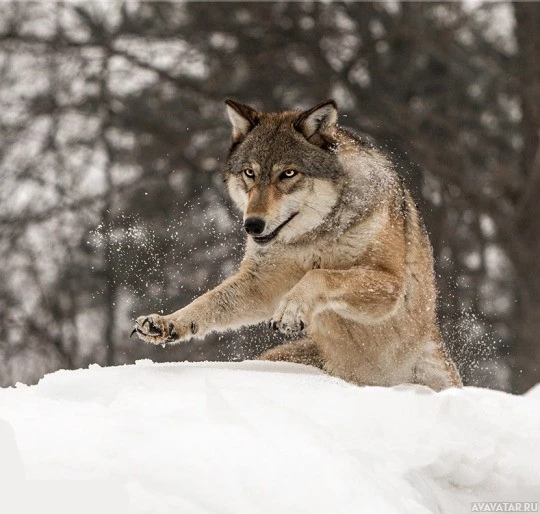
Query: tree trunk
[(526, 349)]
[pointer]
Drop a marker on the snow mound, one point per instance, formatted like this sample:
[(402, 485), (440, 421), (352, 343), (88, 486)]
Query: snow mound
[(258, 437)]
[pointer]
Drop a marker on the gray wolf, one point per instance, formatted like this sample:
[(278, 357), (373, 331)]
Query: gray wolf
[(336, 254)]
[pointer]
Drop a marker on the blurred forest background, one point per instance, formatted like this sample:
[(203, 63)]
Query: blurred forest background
[(113, 134)]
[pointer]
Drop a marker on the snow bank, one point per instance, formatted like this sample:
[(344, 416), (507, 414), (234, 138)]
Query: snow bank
[(259, 438)]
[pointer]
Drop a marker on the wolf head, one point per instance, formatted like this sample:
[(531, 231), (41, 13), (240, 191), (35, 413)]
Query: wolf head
[(283, 170)]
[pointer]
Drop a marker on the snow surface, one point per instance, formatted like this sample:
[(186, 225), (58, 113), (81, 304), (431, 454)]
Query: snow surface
[(258, 437)]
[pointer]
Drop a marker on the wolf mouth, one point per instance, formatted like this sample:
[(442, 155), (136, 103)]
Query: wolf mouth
[(266, 239)]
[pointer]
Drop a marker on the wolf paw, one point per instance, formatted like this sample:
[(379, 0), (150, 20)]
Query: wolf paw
[(289, 318), (158, 329)]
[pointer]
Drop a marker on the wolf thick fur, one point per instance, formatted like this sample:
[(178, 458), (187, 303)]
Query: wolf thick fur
[(336, 253)]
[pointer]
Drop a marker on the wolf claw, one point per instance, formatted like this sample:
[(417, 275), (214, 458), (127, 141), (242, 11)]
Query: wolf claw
[(286, 328), (173, 336), (153, 330)]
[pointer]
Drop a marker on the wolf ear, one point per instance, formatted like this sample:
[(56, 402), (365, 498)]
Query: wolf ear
[(243, 118), (318, 123)]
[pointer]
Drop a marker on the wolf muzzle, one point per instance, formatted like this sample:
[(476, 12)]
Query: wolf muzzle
[(258, 238)]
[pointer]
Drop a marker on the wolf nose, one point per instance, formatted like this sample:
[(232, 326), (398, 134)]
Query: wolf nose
[(254, 226)]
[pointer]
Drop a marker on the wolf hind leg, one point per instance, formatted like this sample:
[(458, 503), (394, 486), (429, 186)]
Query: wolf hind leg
[(299, 352), (434, 369)]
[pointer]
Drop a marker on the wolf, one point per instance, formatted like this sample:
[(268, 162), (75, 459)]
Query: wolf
[(336, 255)]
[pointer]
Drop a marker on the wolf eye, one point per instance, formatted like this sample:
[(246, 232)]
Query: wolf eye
[(248, 172), (288, 174)]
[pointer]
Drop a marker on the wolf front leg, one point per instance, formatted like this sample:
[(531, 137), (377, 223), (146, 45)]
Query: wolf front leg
[(246, 298), (360, 294)]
